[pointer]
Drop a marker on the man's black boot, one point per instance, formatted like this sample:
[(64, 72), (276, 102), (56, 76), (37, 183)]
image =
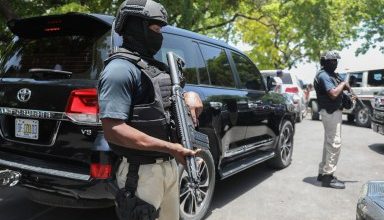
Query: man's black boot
[(332, 182), (320, 177)]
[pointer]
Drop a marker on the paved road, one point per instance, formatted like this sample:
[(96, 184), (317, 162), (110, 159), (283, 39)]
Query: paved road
[(259, 192)]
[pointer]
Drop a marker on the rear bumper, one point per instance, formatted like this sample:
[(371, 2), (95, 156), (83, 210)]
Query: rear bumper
[(59, 184)]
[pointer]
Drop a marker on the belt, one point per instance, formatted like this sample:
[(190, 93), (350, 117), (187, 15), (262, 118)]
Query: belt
[(148, 160)]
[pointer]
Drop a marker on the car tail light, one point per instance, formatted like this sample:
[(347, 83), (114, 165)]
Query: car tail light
[(83, 107), (101, 171), (52, 29), (292, 89)]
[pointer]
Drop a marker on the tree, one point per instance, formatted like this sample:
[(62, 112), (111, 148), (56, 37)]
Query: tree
[(195, 15), (283, 33), (372, 24)]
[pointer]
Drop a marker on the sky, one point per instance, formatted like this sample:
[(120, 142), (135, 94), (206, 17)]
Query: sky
[(373, 59)]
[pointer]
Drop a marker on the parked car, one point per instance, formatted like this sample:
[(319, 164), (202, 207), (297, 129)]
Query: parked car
[(292, 86), (49, 114), (365, 84), (378, 114), (370, 205)]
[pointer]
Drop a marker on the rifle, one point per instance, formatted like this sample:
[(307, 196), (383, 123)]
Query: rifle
[(361, 103), (186, 133)]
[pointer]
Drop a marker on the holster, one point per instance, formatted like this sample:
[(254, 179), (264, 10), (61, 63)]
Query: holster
[(128, 205)]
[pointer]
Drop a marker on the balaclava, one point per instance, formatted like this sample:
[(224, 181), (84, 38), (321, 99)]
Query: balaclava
[(139, 38), (330, 65)]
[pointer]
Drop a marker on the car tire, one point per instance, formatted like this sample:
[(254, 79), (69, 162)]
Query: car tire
[(350, 118), (299, 118), (315, 111), (363, 116), (189, 207), (284, 148)]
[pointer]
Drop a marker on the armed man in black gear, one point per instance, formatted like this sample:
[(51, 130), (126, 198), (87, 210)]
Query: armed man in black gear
[(329, 90), (134, 99)]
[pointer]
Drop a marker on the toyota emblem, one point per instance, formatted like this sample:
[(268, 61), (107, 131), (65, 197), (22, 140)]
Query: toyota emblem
[(23, 95)]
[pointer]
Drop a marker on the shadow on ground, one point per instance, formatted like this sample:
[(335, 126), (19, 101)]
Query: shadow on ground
[(231, 188), (14, 205), (379, 148), (313, 181)]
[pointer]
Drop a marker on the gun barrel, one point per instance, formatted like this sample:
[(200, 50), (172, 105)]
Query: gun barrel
[(173, 68)]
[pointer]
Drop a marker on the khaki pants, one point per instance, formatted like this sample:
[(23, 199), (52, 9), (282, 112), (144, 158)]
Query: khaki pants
[(332, 141), (157, 185)]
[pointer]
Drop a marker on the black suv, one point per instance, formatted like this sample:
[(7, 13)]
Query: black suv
[(49, 112)]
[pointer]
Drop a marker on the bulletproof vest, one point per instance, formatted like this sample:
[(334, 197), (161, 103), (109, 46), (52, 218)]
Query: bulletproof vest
[(151, 118)]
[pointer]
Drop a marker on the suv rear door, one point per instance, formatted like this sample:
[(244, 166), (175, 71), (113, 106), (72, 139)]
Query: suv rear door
[(48, 100)]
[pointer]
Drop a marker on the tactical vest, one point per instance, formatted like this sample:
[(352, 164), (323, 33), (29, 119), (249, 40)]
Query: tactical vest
[(323, 99), (151, 118)]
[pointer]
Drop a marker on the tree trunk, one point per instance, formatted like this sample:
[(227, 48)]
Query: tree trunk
[(6, 11)]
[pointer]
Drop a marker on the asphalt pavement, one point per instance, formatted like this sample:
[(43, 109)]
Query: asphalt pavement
[(261, 192), (294, 193)]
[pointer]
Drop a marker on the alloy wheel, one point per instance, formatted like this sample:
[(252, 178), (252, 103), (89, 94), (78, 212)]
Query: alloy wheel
[(286, 143), (189, 192)]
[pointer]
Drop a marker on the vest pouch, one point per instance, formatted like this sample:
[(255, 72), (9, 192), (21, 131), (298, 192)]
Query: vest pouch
[(157, 128)]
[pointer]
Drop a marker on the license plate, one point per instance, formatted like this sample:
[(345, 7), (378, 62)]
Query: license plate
[(27, 128)]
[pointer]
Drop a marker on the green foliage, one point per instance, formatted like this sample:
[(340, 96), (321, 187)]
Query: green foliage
[(372, 27), (71, 7), (281, 33)]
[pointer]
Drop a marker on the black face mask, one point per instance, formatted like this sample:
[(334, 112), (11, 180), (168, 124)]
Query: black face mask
[(155, 40), (330, 67), (139, 38)]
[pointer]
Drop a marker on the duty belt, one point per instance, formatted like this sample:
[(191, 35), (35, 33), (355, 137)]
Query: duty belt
[(142, 160)]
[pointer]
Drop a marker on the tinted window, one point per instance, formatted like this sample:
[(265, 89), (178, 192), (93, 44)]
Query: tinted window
[(218, 66), (195, 70), (355, 79), (249, 76), (68, 53), (376, 78)]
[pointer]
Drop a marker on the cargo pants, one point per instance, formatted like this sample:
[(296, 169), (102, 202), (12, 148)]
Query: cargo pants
[(332, 141), (157, 185)]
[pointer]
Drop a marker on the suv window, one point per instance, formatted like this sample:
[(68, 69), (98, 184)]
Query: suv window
[(249, 77), (358, 79), (68, 53), (218, 66), (376, 78), (195, 70)]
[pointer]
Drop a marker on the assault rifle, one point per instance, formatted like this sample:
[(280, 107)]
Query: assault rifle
[(358, 101), (187, 135)]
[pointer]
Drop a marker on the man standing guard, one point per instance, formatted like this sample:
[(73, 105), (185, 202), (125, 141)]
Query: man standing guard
[(329, 91), (134, 98)]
